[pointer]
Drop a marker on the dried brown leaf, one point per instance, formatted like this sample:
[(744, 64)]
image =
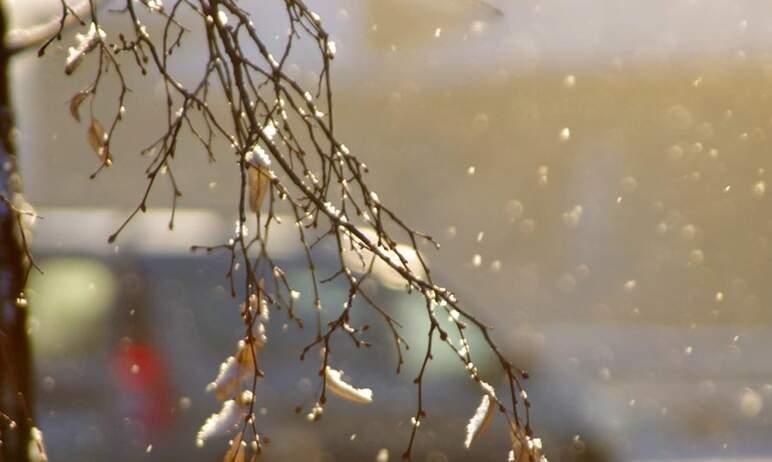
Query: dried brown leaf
[(245, 355), (236, 451), (524, 448), (76, 101), (259, 183), (96, 138)]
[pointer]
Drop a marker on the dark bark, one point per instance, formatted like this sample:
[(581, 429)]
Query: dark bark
[(15, 359)]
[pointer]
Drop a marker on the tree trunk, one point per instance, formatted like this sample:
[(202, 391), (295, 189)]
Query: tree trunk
[(16, 397)]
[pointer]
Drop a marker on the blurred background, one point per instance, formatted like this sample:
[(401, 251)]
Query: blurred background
[(595, 170)]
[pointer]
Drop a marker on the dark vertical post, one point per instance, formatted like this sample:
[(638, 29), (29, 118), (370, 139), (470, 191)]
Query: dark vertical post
[(15, 358)]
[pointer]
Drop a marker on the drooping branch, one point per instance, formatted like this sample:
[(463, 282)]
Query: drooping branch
[(289, 163)]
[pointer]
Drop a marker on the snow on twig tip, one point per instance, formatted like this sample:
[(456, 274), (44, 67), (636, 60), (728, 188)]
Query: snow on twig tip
[(524, 447), (224, 421), (233, 370), (84, 44), (337, 386), (480, 420)]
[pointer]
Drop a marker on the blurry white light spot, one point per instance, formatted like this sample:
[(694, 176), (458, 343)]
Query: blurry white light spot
[(696, 257), (759, 188), (513, 209), (679, 118), (751, 403), (478, 27), (566, 283), (49, 383), (572, 217), (565, 134), (629, 184), (688, 232), (527, 226), (382, 456), (481, 121)]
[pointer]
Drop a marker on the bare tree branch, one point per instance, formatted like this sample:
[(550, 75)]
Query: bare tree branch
[(289, 161)]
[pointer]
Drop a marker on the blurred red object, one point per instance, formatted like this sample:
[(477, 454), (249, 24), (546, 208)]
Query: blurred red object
[(144, 386)]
